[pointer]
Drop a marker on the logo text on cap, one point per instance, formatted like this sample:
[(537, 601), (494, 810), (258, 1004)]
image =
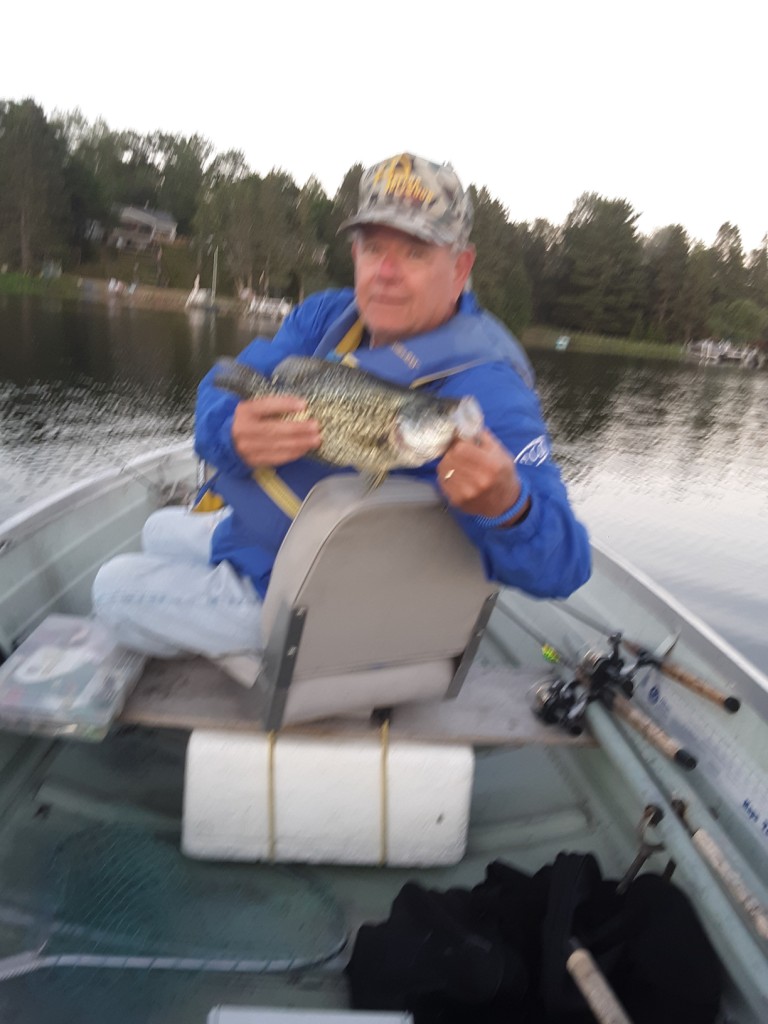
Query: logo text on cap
[(401, 183)]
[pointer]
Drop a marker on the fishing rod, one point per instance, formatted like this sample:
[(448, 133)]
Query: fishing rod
[(596, 676), (594, 986), (566, 702), (720, 865), (732, 937), (660, 662)]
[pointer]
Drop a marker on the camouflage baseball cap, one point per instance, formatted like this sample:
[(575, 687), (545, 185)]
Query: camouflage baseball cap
[(416, 196)]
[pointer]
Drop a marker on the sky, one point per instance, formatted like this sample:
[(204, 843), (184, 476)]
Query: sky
[(661, 103)]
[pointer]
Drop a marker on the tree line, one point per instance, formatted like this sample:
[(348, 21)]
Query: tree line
[(596, 272)]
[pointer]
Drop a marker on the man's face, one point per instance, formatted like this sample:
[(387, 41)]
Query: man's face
[(405, 286)]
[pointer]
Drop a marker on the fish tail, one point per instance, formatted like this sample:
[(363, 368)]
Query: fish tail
[(240, 379)]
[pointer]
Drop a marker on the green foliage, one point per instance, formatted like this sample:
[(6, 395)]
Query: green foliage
[(740, 321), (313, 213), (22, 284), (159, 170), (181, 161), (175, 269), (697, 292), (757, 275), (601, 267), (86, 203), (580, 341), (254, 223), (729, 274), (499, 276), (541, 245), (225, 219), (339, 258), (666, 262), (32, 196), (225, 167)]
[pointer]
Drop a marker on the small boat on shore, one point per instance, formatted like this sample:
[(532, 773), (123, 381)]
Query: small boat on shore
[(216, 851)]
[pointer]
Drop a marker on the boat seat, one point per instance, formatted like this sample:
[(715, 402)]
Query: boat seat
[(376, 598)]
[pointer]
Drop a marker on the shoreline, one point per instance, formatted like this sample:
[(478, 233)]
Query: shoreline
[(146, 296), (173, 300), (538, 338), (96, 289)]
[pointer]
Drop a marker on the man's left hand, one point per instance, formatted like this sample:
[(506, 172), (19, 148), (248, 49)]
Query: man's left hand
[(479, 477)]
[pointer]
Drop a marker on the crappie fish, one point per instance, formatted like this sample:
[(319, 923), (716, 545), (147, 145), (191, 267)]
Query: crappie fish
[(366, 422)]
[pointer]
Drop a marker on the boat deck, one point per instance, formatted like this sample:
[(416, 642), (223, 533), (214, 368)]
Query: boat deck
[(493, 708)]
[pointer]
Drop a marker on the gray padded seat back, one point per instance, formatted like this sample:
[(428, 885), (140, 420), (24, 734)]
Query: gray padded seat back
[(389, 583)]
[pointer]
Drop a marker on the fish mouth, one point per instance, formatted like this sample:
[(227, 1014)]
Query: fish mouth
[(420, 439), (468, 419)]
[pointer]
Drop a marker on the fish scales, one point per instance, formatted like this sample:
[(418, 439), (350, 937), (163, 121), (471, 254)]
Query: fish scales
[(367, 423), (356, 411)]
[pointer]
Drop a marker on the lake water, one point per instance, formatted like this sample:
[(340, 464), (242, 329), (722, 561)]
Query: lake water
[(666, 463)]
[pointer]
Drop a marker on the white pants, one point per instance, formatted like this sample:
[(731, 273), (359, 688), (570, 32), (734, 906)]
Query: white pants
[(169, 600)]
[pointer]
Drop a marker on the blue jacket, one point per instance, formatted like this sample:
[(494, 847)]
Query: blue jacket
[(545, 555)]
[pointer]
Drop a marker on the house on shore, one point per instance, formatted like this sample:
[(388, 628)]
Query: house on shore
[(139, 228)]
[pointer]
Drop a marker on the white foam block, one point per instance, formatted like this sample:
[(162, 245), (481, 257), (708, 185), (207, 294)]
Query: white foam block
[(327, 800)]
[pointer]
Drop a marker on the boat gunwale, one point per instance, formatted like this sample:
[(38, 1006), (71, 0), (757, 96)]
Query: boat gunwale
[(24, 523), (753, 682)]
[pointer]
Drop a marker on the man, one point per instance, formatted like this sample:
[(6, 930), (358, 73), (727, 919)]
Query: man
[(410, 319)]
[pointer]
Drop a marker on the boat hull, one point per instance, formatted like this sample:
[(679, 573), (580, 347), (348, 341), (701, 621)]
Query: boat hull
[(534, 796)]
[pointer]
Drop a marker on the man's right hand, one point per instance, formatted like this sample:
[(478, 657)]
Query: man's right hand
[(263, 438)]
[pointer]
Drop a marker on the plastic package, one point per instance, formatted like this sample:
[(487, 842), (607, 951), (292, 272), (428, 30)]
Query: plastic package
[(68, 678)]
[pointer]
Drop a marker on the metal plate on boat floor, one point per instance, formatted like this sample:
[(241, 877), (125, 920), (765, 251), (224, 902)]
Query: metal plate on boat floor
[(126, 923), (120, 890)]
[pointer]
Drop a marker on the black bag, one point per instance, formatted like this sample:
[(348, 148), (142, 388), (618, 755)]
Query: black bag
[(498, 952)]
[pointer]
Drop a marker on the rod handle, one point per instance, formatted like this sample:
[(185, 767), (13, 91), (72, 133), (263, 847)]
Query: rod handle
[(655, 735), (690, 681), (696, 685), (593, 985), (733, 882)]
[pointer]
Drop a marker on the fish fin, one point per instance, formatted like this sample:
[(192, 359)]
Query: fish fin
[(240, 379), (296, 369), (374, 480)]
